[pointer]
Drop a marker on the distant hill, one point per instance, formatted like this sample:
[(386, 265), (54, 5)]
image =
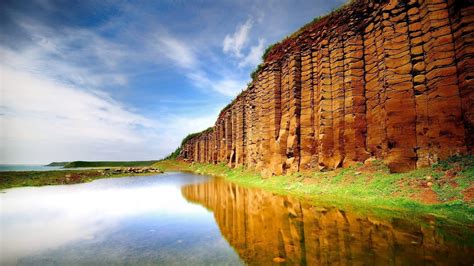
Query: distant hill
[(76, 164), (57, 164)]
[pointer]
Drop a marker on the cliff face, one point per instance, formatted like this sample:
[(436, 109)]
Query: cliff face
[(262, 226), (393, 80)]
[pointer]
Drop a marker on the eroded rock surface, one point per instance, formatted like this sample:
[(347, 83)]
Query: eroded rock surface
[(391, 80)]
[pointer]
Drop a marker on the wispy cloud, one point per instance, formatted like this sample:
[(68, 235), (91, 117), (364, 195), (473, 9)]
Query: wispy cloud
[(183, 55), (234, 43), (227, 85), (254, 56), (67, 54), (177, 51)]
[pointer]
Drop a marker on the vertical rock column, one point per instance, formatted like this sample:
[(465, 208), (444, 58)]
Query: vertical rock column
[(336, 48), (274, 111), (316, 70), (222, 145), (419, 82), (444, 135), (375, 87), (265, 121), (355, 130), (239, 128), (400, 101), (251, 129), (325, 137), (259, 121), (233, 117), (307, 115), (196, 151), (228, 136), (293, 145), (288, 139), (462, 19), (285, 113)]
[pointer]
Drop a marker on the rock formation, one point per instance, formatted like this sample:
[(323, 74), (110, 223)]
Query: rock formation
[(264, 228), (392, 80)]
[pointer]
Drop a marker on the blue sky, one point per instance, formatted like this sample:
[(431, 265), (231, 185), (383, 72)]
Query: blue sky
[(127, 80)]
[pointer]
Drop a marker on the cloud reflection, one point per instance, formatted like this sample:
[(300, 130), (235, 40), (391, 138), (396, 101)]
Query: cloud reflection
[(34, 220)]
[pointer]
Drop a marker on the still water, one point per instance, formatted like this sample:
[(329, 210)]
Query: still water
[(178, 218)]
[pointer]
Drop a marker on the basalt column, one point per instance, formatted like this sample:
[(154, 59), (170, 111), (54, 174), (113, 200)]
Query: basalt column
[(399, 95), (274, 113), (308, 148), (325, 137), (444, 134), (336, 63), (288, 141), (462, 29), (239, 121)]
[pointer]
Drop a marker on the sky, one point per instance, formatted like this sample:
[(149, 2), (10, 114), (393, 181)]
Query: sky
[(127, 80)]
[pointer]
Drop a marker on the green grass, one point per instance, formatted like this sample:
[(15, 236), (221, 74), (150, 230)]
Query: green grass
[(77, 164), (44, 178), (57, 164), (359, 187), (59, 177)]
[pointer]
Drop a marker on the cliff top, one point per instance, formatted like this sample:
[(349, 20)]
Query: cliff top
[(307, 34), (300, 38)]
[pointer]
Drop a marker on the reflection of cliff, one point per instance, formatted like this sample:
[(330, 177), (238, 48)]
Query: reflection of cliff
[(392, 79), (262, 226)]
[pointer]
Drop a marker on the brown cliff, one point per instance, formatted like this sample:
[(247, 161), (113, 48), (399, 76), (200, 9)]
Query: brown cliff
[(264, 227), (391, 80)]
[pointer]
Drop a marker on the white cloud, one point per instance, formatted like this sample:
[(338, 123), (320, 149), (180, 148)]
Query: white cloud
[(226, 86), (78, 56), (43, 120), (177, 51), (254, 56), (184, 57), (236, 42)]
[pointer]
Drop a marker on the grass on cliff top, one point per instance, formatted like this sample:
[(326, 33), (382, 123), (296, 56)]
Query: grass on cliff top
[(444, 191), (304, 28)]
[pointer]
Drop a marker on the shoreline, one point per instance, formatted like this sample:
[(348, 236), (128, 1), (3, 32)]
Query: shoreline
[(14, 179), (365, 189), (359, 187)]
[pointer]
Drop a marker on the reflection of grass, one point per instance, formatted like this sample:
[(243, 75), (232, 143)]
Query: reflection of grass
[(361, 186)]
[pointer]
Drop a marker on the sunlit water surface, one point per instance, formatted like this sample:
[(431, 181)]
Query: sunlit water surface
[(185, 219), (136, 220)]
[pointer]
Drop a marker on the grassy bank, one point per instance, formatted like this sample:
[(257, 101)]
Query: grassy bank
[(445, 190), (59, 177), (77, 164)]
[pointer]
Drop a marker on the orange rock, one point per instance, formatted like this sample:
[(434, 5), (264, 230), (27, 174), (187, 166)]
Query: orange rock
[(278, 260), (399, 89)]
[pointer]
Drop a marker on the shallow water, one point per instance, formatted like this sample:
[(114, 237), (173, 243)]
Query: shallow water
[(137, 220), (178, 218)]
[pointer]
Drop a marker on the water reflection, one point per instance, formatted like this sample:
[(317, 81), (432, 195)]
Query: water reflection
[(139, 220), (265, 228)]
